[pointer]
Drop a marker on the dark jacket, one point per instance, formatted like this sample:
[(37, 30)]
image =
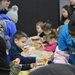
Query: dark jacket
[(4, 65), (55, 69), (73, 9), (15, 52)]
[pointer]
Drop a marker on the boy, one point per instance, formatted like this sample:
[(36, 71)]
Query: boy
[(20, 39)]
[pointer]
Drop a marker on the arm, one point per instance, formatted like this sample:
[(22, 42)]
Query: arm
[(26, 67), (35, 37), (14, 53)]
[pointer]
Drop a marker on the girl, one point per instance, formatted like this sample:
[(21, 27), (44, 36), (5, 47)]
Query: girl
[(39, 29), (51, 41), (66, 13), (40, 33)]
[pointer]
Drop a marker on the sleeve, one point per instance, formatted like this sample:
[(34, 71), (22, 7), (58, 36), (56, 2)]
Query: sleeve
[(26, 67), (14, 53), (61, 56), (62, 44)]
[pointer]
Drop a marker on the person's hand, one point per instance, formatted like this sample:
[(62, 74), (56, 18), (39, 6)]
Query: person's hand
[(16, 61), (32, 65), (40, 60), (43, 45)]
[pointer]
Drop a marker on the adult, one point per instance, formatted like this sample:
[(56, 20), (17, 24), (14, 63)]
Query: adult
[(72, 4), (4, 4), (10, 18), (4, 65), (65, 52)]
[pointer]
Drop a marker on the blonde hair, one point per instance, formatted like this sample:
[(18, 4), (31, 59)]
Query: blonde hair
[(40, 23)]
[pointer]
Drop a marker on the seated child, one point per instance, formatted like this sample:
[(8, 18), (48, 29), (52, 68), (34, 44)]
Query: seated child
[(39, 30), (20, 39), (46, 28), (51, 41)]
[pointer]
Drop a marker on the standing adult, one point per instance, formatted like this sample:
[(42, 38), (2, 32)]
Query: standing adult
[(10, 18), (72, 4), (4, 4), (65, 52), (4, 65)]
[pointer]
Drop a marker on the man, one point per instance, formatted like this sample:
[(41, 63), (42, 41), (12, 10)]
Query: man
[(72, 4), (65, 52), (4, 4)]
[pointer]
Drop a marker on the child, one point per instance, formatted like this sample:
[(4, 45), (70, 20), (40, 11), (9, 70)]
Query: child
[(20, 39), (47, 30), (66, 13), (51, 41), (39, 30)]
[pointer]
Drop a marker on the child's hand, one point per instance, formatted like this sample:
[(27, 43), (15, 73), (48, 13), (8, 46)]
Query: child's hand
[(16, 61), (39, 42), (40, 60), (32, 65), (43, 45)]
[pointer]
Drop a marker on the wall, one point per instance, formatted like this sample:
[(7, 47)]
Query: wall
[(32, 11)]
